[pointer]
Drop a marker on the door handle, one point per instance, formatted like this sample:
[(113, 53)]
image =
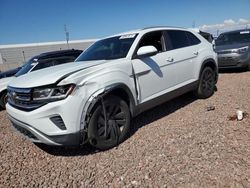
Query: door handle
[(196, 53), (170, 59)]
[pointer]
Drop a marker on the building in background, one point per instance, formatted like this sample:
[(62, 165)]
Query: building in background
[(15, 55)]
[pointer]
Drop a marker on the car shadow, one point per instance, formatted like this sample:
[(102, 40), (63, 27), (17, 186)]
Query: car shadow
[(141, 120)]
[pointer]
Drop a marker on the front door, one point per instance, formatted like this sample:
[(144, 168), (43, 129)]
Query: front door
[(154, 74)]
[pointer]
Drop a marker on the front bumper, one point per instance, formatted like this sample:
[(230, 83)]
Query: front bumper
[(39, 126), (36, 136), (233, 60)]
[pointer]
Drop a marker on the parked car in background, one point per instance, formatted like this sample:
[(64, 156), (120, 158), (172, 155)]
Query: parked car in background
[(9, 73), (233, 49), (114, 80), (38, 62)]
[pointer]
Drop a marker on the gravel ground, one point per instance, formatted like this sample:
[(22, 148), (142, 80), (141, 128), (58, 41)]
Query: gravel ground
[(177, 144)]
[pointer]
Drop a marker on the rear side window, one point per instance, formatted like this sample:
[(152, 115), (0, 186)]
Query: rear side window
[(193, 40), (178, 39)]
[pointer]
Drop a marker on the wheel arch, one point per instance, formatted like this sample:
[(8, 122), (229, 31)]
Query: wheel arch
[(212, 64), (119, 89)]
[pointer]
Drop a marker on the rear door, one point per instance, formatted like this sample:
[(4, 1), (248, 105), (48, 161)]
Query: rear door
[(183, 55)]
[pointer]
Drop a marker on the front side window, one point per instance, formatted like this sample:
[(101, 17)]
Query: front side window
[(153, 39), (110, 48), (178, 39)]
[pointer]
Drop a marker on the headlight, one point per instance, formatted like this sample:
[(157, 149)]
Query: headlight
[(243, 50), (52, 93)]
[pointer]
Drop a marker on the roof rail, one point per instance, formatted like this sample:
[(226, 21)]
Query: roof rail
[(152, 27)]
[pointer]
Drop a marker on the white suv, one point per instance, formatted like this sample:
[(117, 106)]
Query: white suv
[(93, 99)]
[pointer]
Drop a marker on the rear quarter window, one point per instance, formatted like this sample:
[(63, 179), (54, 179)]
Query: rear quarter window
[(193, 40)]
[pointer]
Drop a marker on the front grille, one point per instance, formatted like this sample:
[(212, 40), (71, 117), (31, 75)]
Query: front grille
[(22, 99), (24, 131), (224, 52)]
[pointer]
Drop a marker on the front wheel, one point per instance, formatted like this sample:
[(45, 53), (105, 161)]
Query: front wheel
[(206, 85), (109, 123)]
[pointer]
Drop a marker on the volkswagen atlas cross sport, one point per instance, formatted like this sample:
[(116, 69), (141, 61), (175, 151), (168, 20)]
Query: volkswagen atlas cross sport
[(38, 62), (233, 49), (115, 79)]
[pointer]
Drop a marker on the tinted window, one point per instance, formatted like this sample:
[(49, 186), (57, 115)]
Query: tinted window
[(178, 38), (233, 37), (34, 64), (26, 67), (193, 40), (52, 62), (152, 39), (110, 48)]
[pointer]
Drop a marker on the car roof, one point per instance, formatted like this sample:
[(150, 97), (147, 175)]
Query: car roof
[(54, 54), (236, 31), (58, 53), (147, 29)]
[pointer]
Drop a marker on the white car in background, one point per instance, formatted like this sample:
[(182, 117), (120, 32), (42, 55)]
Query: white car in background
[(114, 80)]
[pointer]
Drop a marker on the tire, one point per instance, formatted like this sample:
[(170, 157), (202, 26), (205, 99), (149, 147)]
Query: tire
[(248, 68), (3, 99), (118, 123), (206, 85)]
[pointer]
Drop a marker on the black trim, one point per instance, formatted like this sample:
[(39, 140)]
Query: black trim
[(166, 97), (72, 139)]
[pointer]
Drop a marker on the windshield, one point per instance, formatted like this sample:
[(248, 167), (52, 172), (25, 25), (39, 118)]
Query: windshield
[(234, 37), (110, 48), (26, 67)]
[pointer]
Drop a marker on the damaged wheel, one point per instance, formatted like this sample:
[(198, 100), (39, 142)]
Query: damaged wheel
[(109, 123)]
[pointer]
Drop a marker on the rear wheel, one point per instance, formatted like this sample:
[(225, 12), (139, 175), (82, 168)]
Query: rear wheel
[(206, 85), (3, 99), (109, 123)]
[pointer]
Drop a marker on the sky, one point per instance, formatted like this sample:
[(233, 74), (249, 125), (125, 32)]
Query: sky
[(32, 21)]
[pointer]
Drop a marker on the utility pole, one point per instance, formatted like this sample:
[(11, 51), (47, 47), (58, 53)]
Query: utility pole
[(66, 35), (218, 32)]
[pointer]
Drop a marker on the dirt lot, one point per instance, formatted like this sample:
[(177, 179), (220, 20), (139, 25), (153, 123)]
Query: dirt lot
[(178, 144)]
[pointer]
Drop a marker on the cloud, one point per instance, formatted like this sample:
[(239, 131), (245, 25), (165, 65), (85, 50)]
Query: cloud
[(227, 25)]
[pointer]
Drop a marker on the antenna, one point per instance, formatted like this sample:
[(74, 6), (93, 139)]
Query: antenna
[(193, 25), (66, 35)]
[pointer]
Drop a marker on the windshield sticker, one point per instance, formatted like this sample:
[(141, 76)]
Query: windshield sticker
[(129, 36), (244, 32), (33, 64)]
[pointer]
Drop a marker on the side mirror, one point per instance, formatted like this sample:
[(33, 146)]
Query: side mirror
[(146, 51)]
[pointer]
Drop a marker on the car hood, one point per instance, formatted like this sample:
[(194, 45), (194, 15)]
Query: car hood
[(4, 82), (230, 46), (52, 75)]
